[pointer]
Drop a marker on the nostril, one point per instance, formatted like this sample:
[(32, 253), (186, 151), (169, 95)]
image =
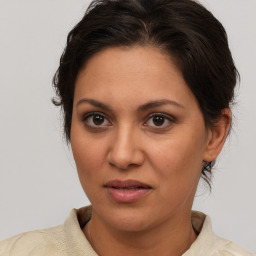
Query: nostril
[(125, 154)]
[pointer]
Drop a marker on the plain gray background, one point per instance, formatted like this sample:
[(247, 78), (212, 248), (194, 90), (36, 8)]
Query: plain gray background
[(38, 181)]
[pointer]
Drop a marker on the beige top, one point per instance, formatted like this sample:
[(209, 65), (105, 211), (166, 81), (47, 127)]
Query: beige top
[(69, 240)]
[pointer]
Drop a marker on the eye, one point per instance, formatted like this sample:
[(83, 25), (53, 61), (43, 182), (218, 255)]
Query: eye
[(159, 120), (96, 120)]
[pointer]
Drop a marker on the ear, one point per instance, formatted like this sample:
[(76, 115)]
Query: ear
[(217, 136)]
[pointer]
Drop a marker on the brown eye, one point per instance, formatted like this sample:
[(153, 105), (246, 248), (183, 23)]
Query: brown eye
[(158, 120), (96, 120)]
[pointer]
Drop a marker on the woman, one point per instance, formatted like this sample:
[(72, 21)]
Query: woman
[(145, 88)]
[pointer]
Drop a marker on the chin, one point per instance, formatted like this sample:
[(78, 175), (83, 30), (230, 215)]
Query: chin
[(130, 217)]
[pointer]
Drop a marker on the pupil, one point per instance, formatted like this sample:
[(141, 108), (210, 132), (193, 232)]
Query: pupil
[(158, 120), (98, 120)]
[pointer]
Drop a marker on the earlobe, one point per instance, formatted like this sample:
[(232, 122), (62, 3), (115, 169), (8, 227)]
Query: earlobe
[(217, 136)]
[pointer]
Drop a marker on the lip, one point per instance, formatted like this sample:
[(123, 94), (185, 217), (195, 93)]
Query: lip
[(127, 191)]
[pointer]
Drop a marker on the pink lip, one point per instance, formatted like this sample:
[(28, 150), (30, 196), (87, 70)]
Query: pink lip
[(127, 191)]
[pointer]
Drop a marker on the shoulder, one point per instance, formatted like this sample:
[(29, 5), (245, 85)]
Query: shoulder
[(56, 241), (208, 243), (39, 243), (230, 249)]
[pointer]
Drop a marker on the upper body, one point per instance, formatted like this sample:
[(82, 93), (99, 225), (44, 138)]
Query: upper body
[(145, 87), (69, 240)]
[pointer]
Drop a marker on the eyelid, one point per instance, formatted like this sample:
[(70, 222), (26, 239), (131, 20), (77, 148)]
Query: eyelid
[(90, 114), (84, 116), (168, 117)]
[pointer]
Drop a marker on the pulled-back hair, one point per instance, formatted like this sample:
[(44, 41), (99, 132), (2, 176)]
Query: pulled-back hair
[(182, 29)]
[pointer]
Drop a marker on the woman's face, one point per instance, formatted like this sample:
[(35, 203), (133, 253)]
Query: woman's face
[(138, 138)]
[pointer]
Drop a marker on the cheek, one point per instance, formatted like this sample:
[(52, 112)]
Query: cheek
[(177, 156), (89, 155), (178, 175), (89, 159), (178, 163)]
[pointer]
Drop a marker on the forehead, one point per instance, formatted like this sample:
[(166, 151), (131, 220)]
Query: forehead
[(129, 64), (126, 74)]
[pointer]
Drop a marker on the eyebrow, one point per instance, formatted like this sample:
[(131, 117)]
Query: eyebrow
[(142, 108), (94, 103), (158, 103)]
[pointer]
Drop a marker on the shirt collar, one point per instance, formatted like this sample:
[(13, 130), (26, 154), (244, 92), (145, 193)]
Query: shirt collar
[(206, 243)]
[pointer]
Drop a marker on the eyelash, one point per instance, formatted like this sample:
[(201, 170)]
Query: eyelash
[(91, 115), (167, 118)]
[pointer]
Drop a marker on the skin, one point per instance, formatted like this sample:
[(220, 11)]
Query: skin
[(129, 145)]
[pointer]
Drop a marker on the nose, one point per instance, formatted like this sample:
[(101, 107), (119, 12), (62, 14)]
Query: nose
[(125, 150)]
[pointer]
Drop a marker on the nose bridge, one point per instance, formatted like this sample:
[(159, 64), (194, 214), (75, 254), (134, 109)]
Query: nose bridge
[(125, 149)]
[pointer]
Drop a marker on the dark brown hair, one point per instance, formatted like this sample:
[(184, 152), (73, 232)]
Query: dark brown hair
[(183, 29)]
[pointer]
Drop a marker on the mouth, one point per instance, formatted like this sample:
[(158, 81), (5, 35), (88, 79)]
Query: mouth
[(127, 185), (127, 191)]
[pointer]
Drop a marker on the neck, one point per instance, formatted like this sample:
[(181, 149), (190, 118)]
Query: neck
[(173, 237)]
